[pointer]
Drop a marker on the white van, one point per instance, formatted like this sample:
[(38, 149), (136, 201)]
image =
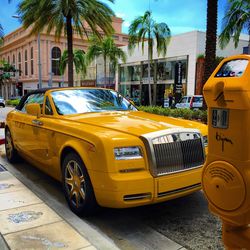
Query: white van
[(190, 101)]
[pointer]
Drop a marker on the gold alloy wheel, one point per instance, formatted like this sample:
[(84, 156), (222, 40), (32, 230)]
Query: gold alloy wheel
[(75, 183), (8, 144)]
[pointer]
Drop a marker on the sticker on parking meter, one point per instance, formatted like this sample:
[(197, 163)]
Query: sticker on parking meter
[(220, 118)]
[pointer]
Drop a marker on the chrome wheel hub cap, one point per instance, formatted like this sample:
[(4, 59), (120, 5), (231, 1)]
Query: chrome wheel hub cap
[(75, 183)]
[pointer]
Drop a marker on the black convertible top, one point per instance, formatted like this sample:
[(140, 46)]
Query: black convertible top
[(36, 91)]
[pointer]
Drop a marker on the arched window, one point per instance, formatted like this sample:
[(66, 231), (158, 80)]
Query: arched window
[(8, 59), (26, 62), (31, 61), (55, 59), (19, 63), (14, 60)]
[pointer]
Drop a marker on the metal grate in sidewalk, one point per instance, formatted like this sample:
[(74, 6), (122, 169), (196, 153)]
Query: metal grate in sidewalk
[(2, 168)]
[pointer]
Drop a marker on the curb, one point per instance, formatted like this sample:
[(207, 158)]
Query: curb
[(3, 243)]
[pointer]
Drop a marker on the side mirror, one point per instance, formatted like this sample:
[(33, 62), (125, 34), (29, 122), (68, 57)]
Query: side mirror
[(33, 109)]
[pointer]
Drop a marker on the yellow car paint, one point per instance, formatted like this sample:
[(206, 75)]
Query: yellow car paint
[(45, 140)]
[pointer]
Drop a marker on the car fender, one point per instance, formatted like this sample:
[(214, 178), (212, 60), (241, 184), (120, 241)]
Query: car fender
[(82, 148)]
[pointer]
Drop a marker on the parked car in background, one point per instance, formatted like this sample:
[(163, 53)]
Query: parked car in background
[(2, 102), (190, 101), (103, 150), (15, 98)]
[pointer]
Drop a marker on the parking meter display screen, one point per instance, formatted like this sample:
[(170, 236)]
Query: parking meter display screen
[(234, 68)]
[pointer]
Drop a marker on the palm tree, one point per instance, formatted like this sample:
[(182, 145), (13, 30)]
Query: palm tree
[(144, 28), (236, 19), (1, 34), (108, 50), (67, 16), (79, 60), (211, 37)]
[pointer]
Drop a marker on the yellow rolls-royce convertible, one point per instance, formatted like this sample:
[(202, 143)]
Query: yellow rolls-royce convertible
[(103, 150)]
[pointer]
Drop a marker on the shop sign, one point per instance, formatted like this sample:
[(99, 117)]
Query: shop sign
[(178, 78)]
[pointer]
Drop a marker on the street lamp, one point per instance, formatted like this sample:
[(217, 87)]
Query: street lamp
[(39, 57)]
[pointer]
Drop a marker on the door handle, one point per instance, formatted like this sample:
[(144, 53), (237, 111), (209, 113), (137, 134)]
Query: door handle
[(37, 122)]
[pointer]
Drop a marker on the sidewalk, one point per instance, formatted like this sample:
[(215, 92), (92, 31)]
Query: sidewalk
[(28, 223)]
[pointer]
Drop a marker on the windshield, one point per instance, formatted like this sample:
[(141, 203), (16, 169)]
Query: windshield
[(75, 101)]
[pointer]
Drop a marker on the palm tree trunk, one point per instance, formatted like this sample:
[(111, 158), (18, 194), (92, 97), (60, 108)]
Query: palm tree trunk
[(211, 36), (105, 71), (149, 68), (70, 51)]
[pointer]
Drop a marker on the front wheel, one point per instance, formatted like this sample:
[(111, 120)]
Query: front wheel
[(77, 186), (11, 152)]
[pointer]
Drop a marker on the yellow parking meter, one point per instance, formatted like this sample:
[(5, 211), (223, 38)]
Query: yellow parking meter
[(226, 174)]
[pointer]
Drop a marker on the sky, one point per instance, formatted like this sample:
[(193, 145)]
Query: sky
[(180, 15)]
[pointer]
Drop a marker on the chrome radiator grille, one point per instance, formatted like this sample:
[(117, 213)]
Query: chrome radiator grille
[(174, 150), (178, 156)]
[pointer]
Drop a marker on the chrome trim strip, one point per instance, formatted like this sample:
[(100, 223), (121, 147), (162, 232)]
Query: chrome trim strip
[(176, 191), (169, 131), (179, 171), (137, 197)]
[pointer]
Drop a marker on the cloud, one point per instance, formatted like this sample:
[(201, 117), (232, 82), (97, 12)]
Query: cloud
[(119, 14), (126, 24)]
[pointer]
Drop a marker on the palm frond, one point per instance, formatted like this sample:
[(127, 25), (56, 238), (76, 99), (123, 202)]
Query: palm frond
[(144, 28), (236, 18), (79, 60)]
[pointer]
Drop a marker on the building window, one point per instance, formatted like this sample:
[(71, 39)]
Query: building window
[(130, 73), (19, 63), (145, 71), (125, 39), (26, 62), (14, 60), (165, 71), (55, 60), (31, 61), (8, 59)]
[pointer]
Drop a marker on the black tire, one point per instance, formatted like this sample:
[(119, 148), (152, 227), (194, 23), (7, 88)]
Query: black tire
[(11, 152), (77, 186)]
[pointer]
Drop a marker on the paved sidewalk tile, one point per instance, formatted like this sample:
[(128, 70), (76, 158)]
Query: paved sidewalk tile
[(17, 219), (20, 198), (8, 183), (57, 235)]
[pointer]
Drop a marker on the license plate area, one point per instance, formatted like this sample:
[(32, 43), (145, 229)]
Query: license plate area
[(220, 118)]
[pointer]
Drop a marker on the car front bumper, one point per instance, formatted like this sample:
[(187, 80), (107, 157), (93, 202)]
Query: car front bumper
[(136, 189)]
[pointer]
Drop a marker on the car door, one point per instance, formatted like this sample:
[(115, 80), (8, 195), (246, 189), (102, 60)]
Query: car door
[(46, 137), (27, 127)]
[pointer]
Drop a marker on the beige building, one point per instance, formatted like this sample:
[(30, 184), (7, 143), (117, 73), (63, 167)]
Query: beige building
[(21, 50)]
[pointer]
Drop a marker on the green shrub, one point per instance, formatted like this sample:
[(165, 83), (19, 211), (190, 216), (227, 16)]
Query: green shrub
[(189, 114), (12, 102)]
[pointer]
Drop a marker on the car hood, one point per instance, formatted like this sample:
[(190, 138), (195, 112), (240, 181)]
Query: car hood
[(135, 122)]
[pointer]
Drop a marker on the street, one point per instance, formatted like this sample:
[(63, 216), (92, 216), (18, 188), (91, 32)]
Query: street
[(185, 221)]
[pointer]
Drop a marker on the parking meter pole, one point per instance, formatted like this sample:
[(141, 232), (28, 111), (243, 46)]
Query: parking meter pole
[(226, 173)]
